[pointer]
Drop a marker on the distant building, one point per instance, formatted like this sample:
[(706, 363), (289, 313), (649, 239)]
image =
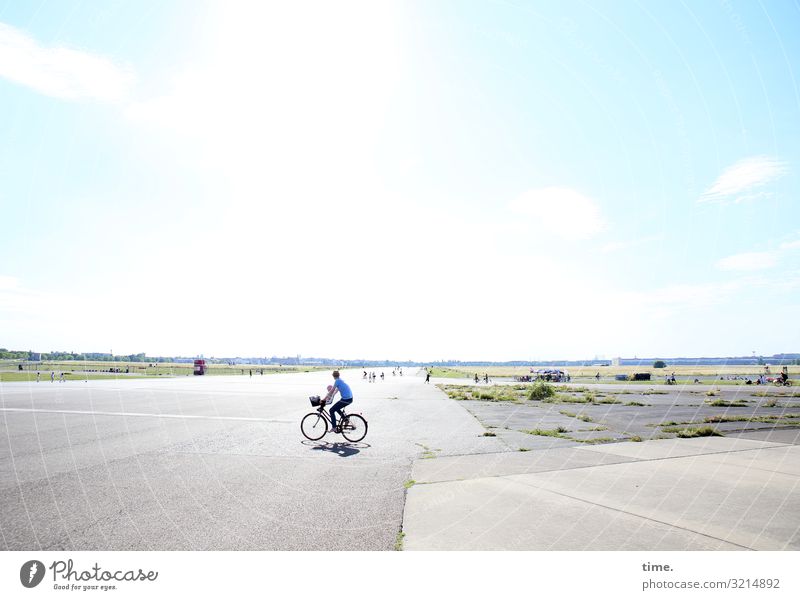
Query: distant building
[(615, 361)]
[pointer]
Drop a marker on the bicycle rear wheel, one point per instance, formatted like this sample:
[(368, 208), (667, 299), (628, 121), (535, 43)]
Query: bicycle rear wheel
[(354, 428), (313, 426)]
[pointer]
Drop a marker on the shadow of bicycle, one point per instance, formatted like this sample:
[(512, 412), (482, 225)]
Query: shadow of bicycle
[(343, 449)]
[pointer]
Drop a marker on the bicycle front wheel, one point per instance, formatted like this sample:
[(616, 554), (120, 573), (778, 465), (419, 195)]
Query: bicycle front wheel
[(354, 428), (314, 426)]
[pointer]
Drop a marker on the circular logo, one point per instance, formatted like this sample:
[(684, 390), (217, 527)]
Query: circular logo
[(31, 573)]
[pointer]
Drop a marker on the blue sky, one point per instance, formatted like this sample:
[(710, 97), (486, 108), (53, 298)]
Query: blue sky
[(466, 180)]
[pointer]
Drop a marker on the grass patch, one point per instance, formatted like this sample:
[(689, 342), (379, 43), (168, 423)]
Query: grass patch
[(634, 403), (489, 434), (566, 399), (558, 432), (445, 372), (692, 432), (601, 440), (408, 484), (45, 377), (524, 449), (495, 393), (608, 400), (428, 452), (712, 392), (652, 392), (589, 398), (584, 418), (754, 419), (635, 438), (398, 541), (541, 390), (725, 403)]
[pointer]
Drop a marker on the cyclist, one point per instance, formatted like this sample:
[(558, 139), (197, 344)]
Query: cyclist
[(347, 398)]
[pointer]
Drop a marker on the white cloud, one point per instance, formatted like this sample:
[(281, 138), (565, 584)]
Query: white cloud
[(790, 245), (60, 72), (748, 261), (277, 93), (738, 181), (562, 211), (8, 283), (625, 244)]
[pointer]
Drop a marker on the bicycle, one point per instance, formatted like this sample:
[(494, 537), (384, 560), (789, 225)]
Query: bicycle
[(316, 424)]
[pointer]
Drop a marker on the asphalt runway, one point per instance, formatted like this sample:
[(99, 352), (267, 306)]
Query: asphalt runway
[(219, 463), (214, 463)]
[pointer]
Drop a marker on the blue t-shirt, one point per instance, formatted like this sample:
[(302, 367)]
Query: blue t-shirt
[(344, 389)]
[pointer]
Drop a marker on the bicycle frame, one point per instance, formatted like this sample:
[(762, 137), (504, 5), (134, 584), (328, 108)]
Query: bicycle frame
[(321, 410)]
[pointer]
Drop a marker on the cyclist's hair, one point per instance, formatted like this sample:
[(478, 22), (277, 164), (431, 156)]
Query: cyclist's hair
[(336, 374)]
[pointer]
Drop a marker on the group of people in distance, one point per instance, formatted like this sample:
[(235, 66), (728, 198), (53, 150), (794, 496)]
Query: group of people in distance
[(764, 380), (372, 377)]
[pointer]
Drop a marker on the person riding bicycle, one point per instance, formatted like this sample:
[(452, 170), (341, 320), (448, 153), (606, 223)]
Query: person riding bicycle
[(347, 398)]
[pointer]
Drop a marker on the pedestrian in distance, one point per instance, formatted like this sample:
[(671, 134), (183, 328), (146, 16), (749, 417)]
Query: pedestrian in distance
[(37, 376), (427, 376), (52, 376)]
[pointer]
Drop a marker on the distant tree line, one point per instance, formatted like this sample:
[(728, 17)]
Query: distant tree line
[(55, 355), (28, 355)]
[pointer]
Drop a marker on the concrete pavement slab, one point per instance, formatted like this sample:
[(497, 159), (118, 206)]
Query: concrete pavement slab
[(514, 440), (673, 448), (505, 514), (779, 459), (780, 436), (705, 493), (451, 468), (754, 508)]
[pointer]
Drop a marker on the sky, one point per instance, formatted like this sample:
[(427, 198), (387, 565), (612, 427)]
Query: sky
[(445, 180)]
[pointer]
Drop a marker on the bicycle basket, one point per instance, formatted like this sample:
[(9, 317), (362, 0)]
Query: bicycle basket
[(314, 400)]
